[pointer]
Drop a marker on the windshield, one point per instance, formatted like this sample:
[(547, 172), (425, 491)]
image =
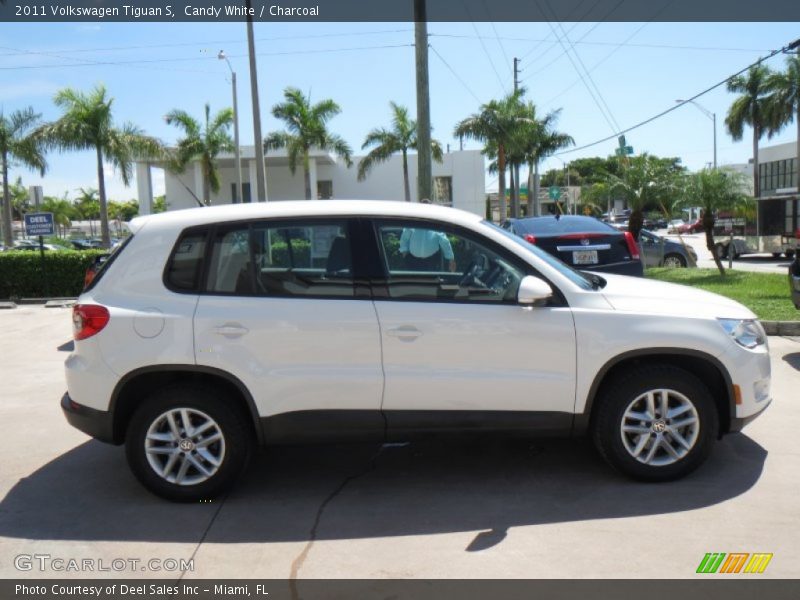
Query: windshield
[(575, 276)]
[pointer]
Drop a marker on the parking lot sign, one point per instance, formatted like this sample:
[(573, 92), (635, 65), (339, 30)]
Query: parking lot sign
[(39, 224)]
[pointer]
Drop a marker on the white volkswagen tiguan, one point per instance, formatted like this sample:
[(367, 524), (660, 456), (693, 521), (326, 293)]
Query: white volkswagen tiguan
[(212, 330)]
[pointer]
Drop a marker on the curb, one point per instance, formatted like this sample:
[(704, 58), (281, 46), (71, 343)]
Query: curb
[(781, 327)]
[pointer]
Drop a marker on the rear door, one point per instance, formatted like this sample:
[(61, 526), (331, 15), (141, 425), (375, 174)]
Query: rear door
[(284, 312)]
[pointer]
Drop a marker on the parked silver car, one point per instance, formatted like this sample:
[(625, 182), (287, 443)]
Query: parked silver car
[(661, 252)]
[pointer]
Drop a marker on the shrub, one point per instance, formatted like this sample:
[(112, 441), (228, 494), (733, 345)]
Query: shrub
[(21, 273)]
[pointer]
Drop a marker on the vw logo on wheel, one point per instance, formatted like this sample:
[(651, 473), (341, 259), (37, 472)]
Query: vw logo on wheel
[(186, 445)]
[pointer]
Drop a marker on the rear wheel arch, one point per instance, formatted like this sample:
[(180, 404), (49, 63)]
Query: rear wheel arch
[(705, 367), (137, 385)]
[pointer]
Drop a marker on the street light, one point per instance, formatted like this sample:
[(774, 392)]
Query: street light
[(710, 115), (237, 157)]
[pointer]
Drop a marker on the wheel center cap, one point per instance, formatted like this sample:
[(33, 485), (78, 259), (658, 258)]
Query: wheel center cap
[(659, 426), (186, 445)]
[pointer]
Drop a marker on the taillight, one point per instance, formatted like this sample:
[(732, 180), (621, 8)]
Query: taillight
[(797, 233), (88, 319), (633, 249), (530, 238), (581, 236)]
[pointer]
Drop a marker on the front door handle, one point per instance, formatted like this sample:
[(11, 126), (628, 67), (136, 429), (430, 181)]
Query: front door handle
[(405, 333), (231, 330)]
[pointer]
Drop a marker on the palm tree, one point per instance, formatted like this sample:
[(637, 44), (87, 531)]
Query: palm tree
[(495, 125), (749, 109), (62, 210), (307, 128), (87, 124), (783, 104), (715, 190), (646, 182), (87, 205), (402, 137), (203, 143), (538, 140), (19, 143)]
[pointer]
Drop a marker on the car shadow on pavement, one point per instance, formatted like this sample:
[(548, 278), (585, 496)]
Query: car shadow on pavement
[(366, 491), (793, 360)]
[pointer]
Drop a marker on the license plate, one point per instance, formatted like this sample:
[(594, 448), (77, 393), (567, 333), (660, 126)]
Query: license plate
[(584, 257)]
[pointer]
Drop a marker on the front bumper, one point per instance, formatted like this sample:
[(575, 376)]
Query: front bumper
[(97, 423), (738, 423)]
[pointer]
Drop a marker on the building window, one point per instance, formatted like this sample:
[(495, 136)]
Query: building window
[(443, 191), (324, 190), (245, 192)]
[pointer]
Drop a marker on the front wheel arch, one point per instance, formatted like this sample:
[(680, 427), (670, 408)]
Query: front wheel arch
[(704, 366)]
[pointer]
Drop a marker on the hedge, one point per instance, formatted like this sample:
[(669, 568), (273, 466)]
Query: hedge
[(21, 273)]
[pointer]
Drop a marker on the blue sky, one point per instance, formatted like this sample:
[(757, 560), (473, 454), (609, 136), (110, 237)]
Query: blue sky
[(639, 69)]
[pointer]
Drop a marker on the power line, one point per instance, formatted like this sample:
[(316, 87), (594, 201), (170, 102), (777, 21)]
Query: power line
[(215, 42), (678, 105), (532, 50), (598, 43), (461, 81), (87, 62)]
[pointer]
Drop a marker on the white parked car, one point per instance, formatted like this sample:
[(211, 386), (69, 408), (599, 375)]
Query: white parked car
[(211, 330)]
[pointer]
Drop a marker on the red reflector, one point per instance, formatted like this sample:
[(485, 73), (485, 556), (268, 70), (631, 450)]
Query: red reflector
[(582, 236), (797, 233), (88, 319), (529, 237), (632, 247)]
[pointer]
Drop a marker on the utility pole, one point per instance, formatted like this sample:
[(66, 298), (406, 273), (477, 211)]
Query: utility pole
[(515, 202), (237, 153), (424, 172), (261, 178)]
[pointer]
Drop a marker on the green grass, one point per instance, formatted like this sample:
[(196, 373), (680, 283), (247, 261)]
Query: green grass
[(766, 294)]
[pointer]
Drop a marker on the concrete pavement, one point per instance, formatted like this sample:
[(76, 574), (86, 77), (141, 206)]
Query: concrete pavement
[(457, 510)]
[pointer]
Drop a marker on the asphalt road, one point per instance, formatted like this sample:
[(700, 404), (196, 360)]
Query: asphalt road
[(489, 510)]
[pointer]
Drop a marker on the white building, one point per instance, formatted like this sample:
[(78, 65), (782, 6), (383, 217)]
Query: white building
[(459, 180)]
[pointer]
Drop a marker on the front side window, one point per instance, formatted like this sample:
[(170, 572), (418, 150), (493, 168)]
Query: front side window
[(282, 259), (430, 262)]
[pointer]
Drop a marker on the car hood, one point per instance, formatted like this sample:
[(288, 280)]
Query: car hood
[(636, 294)]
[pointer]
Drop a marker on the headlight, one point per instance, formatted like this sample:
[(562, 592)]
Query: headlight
[(748, 333)]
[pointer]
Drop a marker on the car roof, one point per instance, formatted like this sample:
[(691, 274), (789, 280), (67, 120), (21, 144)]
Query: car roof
[(180, 219)]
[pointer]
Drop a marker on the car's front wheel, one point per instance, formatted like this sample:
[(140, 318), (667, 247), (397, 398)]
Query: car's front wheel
[(187, 444), (655, 423)]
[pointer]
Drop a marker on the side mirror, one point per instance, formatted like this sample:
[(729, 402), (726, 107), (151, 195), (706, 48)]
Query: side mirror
[(532, 289)]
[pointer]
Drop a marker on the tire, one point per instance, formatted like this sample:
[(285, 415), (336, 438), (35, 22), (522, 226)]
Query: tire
[(789, 254), (626, 394), (776, 255), (223, 458), (674, 261)]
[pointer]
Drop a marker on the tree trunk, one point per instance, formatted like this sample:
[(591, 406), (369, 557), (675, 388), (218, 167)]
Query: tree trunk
[(406, 188), (105, 236), (512, 182), (756, 176), (708, 225), (537, 207), (8, 226), (501, 182), (635, 223), (307, 177), (530, 190)]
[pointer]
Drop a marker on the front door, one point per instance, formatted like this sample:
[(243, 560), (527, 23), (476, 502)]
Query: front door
[(459, 353)]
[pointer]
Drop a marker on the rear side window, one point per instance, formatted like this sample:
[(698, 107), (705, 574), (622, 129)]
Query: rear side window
[(553, 226), (185, 267), (282, 259), (104, 262)]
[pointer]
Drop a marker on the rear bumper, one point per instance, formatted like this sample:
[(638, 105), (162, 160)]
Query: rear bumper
[(96, 423)]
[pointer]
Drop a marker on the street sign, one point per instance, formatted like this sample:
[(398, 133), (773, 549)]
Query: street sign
[(554, 192), (39, 224)]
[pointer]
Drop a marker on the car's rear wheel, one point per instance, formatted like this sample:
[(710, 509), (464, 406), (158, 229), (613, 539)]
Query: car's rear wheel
[(655, 423), (789, 254), (187, 444), (674, 261)]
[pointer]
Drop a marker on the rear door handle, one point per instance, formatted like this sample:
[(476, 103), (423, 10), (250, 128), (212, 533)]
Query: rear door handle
[(231, 330), (406, 333)]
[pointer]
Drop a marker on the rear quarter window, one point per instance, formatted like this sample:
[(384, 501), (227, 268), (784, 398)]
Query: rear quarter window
[(185, 266)]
